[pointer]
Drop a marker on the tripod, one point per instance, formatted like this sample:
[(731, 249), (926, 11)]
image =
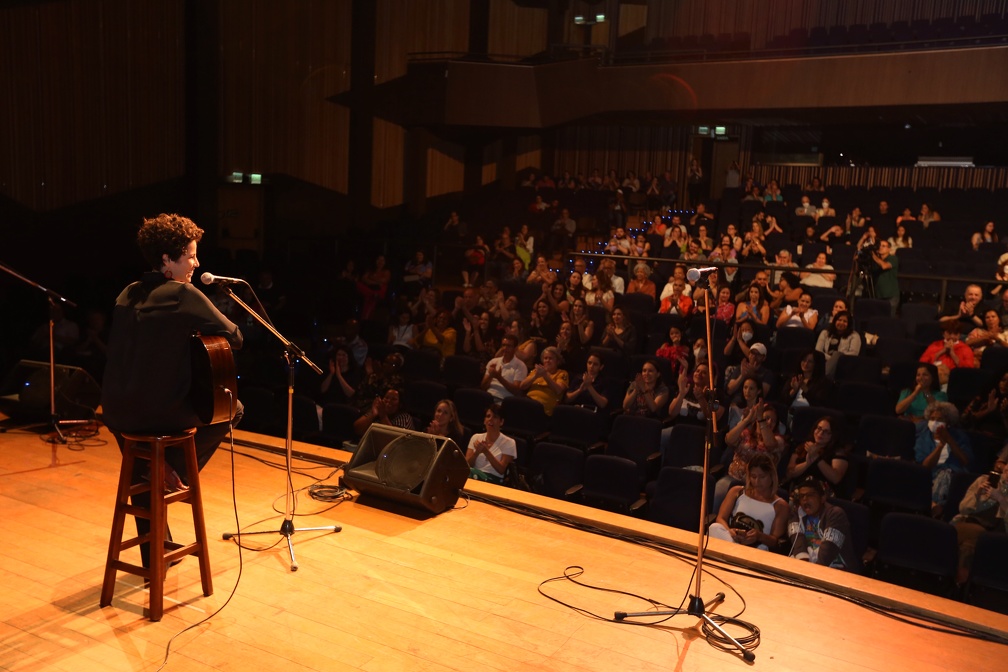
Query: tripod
[(860, 279), (697, 607), (54, 300), (291, 353)]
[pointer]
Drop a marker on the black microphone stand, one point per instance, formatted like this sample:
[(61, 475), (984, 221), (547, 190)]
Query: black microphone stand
[(53, 298), (291, 353), (697, 607)]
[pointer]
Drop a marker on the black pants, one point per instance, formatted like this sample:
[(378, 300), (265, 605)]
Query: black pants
[(208, 438)]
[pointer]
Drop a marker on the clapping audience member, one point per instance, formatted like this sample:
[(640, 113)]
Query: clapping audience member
[(601, 293), (480, 339), (586, 389), (582, 327), (647, 395), (439, 335), (384, 410), (755, 433), (754, 308), (503, 374), (809, 386), (990, 335), (823, 455), (490, 452), (943, 448), (403, 332), (725, 311), (752, 514), (620, 334), (339, 384), (801, 316), (673, 349), (547, 382)]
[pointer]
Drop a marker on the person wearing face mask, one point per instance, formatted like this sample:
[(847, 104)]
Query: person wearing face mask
[(943, 448), (825, 210), (737, 348), (949, 352)]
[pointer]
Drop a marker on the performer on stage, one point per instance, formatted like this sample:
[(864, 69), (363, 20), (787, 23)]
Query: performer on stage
[(148, 374)]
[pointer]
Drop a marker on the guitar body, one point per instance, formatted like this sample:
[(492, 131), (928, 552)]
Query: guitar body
[(213, 371)]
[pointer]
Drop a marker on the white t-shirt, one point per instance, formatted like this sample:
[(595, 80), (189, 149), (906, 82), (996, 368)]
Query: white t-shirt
[(504, 445), (514, 371)]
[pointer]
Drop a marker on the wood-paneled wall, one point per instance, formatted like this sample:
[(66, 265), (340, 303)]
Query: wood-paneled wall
[(887, 176), (417, 26), (517, 31), (770, 18), (279, 63), (581, 149), (388, 151), (94, 99)]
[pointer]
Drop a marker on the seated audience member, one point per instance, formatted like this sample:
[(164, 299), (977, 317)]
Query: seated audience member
[(809, 386), (754, 308), (990, 335), (724, 309), (575, 287), (504, 373), (474, 268), (673, 349), (783, 258), (753, 366), (642, 282), (801, 316), (376, 380), (753, 514), (988, 411), (901, 240), (823, 455), (984, 508), (586, 389), (756, 432), (403, 333), (750, 394), (805, 208), (949, 352), (620, 243), (418, 273), (788, 292), (490, 453), (339, 384), (678, 301), (838, 338), (737, 348), (547, 382), (927, 389), (515, 271), (818, 531), (620, 334), (647, 395), (541, 273), (544, 322), (439, 335), (373, 286), (601, 293), (446, 422), (706, 242), (814, 277), (480, 338), (1001, 279), (927, 215), (385, 411), (582, 327), (943, 448), (969, 311)]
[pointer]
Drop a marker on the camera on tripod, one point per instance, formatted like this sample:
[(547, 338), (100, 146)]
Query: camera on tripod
[(864, 255)]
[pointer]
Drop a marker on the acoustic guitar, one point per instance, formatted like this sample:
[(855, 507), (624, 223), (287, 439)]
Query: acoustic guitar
[(213, 372)]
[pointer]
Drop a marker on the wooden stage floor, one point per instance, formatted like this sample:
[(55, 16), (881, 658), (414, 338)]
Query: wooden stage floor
[(393, 591)]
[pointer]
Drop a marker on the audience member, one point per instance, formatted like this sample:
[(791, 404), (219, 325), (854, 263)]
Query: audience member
[(490, 452), (822, 455), (642, 282), (385, 411), (620, 334), (586, 389), (943, 448), (988, 411), (838, 338), (753, 514), (984, 508), (913, 403), (647, 395), (816, 276), (475, 262), (991, 335), (820, 532), (503, 374), (949, 352), (547, 382)]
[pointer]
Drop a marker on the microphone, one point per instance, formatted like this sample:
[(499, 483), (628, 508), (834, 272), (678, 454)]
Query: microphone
[(692, 274), (211, 279)]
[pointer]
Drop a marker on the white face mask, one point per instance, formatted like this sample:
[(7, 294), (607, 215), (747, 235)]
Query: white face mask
[(747, 336), (934, 425)]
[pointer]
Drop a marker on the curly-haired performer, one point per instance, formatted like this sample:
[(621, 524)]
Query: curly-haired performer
[(148, 374)]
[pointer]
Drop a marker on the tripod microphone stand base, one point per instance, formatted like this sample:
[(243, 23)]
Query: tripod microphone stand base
[(699, 609), (286, 530)]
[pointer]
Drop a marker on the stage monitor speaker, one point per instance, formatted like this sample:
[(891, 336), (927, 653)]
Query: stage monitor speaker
[(27, 387), (414, 468)]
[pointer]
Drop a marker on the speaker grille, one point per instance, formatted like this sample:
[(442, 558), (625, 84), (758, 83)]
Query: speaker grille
[(404, 462)]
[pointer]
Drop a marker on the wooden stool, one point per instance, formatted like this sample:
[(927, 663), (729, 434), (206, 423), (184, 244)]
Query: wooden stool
[(162, 553)]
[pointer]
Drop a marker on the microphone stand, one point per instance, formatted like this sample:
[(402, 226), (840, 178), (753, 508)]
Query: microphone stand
[(52, 297), (697, 607), (291, 353)]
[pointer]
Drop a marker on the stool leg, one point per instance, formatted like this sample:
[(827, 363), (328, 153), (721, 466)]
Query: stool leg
[(199, 522), (118, 525), (158, 520)]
